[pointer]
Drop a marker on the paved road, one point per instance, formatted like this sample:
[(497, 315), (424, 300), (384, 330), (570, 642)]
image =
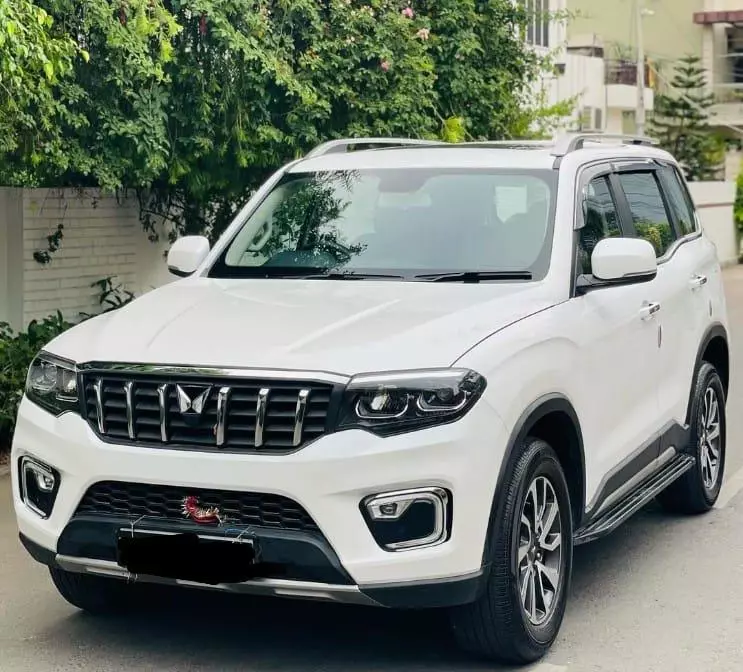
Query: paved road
[(662, 594)]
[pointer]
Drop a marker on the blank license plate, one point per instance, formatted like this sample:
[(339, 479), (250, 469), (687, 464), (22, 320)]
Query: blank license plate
[(188, 557)]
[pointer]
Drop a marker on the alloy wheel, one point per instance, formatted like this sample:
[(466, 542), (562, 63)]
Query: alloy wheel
[(710, 439), (540, 551)]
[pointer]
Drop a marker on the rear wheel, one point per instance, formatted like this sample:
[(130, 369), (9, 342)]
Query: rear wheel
[(698, 489), (94, 594), (518, 617)]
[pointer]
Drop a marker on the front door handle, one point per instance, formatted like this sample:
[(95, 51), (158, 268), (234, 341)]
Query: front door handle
[(697, 282), (649, 310)]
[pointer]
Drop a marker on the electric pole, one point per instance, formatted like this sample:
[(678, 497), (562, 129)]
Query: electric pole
[(640, 112)]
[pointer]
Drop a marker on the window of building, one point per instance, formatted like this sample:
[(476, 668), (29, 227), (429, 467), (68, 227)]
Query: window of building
[(538, 22)]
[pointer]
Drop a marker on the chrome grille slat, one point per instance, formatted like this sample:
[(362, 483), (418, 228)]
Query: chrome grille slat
[(260, 416), (264, 415)]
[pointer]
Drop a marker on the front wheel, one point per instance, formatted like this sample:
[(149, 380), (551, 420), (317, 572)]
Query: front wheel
[(519, 615), (698, 489)]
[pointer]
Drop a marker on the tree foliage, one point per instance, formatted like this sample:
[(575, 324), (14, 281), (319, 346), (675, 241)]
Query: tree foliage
[(681, 122), (107, 126), (32, 59), (196, 102)]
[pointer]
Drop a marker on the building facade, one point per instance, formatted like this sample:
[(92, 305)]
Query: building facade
[(601, 79)]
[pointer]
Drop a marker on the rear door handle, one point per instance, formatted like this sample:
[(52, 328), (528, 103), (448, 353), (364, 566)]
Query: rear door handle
[(649, 310), (697, 282)]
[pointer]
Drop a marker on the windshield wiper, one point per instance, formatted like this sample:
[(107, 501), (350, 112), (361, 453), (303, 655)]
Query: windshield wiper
[(475, 276), (349, 276)]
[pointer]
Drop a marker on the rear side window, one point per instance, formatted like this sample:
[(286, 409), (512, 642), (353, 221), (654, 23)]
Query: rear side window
[(648, 210), (600, 220), (679, 201)]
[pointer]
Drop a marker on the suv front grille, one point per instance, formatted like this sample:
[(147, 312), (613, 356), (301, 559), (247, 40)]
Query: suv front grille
[(227, 414), (138, 500)]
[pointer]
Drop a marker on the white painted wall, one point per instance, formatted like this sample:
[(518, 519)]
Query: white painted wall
[(714, 201), (102, 237), (583, 79)]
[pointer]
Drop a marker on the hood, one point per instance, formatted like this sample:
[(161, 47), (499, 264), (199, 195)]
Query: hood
[(344, 327)]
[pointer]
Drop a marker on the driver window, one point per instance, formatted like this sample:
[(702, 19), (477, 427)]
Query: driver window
[(600, 220)]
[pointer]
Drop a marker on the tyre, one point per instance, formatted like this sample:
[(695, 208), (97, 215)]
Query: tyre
[(94, 594), (517, 618), (698, 489)]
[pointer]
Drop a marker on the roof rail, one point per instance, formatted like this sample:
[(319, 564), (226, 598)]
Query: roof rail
[(344, 145), (571, 143), (505, 144)]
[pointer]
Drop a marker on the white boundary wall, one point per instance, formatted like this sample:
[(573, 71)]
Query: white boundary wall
[(714, 201), (102, 237)]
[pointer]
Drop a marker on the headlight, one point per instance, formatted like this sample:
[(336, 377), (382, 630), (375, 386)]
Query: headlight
[(392, 403), (52, 384)]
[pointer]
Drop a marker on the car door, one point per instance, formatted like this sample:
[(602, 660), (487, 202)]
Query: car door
[(688, 270), (618, 342)]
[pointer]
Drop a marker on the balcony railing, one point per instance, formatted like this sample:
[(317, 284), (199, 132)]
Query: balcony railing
[(625, 72)]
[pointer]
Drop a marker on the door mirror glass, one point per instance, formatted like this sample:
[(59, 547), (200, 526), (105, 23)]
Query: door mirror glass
[(187, 254), (623, 260)]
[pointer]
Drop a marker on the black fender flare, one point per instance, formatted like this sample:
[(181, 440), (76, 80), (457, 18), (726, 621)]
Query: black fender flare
[(538, 409), (716, 330)]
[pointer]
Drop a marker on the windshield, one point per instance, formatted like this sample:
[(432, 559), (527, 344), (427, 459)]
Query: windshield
[(404, 224)]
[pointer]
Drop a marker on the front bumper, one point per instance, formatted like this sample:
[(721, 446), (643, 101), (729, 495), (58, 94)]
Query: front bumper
[(328, 478)]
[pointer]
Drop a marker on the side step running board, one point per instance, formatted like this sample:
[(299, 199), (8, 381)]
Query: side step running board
[(611, 519)]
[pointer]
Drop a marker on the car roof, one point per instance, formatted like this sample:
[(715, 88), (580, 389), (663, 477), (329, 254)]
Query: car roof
[(513, 156)]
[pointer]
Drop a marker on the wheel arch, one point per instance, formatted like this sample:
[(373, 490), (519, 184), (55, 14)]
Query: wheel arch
[(715, 350), (553, 419)]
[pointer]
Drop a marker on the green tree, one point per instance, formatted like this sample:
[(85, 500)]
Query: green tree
[(680, 122), (254, 84), (112, 124), (32, 60), (484, 71)]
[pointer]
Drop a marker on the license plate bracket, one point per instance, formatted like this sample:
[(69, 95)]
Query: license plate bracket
[(188, 557)]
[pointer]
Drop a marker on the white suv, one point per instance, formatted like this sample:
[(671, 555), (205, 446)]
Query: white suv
[(408, 375)]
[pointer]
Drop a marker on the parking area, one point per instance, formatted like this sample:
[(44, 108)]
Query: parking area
[(662, 593)]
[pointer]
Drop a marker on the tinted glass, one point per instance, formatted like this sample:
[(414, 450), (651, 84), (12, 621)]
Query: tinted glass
[(402, 222), (648, 210), (600, 220), (680, 201)]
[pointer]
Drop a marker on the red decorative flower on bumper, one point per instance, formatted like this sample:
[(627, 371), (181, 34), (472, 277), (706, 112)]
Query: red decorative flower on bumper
[(202, 515)]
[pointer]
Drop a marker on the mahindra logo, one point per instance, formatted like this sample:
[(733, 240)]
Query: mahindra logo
[(192, 400)]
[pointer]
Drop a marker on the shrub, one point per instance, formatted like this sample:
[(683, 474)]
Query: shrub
[(738, 206)]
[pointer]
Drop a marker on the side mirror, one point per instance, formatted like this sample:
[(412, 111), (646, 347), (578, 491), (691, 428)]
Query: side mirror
[(620, 261), (187, 254)]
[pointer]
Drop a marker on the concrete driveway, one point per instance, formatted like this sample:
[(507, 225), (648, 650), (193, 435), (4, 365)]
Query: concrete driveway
[(662, 593)]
